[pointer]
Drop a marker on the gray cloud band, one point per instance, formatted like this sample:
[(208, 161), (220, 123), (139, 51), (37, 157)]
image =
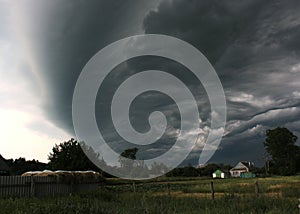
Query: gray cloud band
[(100, 65)]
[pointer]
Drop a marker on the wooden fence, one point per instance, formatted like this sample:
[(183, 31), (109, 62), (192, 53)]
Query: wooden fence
[(29, 186)]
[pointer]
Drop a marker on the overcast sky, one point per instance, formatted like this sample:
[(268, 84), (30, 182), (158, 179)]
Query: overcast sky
[(254, 47)]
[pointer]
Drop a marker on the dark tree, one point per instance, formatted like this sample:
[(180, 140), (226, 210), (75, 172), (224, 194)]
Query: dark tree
[(208, 169), (187, 171), (21, 165), (130, 153), (158, 168), (280, 144), (127, 156), (70, 156), (131, 166)]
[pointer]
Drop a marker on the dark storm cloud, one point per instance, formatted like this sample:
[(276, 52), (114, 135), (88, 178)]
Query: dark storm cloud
[(147, 103), (67, 34), (254, 47)]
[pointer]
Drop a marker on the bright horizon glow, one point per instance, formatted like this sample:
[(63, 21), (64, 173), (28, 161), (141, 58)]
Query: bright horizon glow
[(25, 130), (19, 140)]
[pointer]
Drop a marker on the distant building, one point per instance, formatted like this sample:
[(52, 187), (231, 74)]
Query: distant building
[(242, 170), (4, 169), (218, 174)]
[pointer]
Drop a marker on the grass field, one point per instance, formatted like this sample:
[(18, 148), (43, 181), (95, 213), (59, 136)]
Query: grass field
[(175, 195)]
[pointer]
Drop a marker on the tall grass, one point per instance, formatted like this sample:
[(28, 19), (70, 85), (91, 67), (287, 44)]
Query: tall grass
[(278, 195), (147, 203)]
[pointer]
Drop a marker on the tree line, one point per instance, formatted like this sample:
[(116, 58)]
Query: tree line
[(282, 158)]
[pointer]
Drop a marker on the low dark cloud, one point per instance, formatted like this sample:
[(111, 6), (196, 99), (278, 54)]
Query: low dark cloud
[(253, 45), (67, 34), (254, 48)]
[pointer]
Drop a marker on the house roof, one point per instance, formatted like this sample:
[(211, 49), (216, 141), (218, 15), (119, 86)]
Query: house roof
[(3, 165), (218, 171), (243, 165)]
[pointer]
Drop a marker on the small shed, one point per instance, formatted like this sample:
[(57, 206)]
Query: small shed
[(218, 174)]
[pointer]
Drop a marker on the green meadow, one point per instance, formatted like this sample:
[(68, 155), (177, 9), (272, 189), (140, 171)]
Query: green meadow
[(171, 195)]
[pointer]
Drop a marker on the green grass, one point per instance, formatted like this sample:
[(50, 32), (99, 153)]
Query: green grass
[(277, 195)]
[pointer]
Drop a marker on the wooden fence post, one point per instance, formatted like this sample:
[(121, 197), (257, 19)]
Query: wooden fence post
[(256, 188), (32, 186), (133, 187), (212, 189), (168, 189), (299, 205)]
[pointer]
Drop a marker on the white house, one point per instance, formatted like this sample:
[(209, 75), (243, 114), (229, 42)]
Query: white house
[(241, 167)]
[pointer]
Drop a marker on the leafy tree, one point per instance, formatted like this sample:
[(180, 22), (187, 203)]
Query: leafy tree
[(130, 153), (158, 168), (208, 169), (21, 165), (131, 167), (187, 171), (127, 156), (70, 156), (280, 144)]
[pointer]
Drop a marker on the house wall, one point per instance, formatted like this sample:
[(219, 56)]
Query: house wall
[(237, 173)]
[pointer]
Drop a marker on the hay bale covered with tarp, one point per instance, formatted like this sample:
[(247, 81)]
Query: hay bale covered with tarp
[(69, 176)]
